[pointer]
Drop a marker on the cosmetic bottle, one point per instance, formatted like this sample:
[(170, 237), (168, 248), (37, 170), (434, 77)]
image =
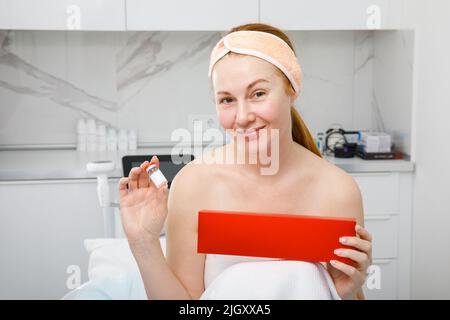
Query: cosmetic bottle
[(112, 140), (321, 142), (101, 137), (91, 135), (81, 135), (122, 140)]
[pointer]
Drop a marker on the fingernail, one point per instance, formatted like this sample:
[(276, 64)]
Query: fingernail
[(343, 240), (358, 227), (338, 252)]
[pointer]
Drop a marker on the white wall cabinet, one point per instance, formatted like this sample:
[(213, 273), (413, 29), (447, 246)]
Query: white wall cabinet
[(332, 15), (189, 15), (174, 15), (62, 15)]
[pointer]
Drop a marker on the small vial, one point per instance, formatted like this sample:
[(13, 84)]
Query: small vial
[(155, 174), (321, 142)]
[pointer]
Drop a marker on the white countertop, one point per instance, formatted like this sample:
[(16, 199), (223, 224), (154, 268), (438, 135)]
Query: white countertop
[(71, 164), (60, 164), (359, 165)]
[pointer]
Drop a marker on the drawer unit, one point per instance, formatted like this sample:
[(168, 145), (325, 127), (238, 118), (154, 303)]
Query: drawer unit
[(380, 192), (384, 230), (386, 270), (387, 212)]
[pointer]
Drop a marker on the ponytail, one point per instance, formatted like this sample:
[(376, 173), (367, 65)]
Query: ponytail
[(301, 134)]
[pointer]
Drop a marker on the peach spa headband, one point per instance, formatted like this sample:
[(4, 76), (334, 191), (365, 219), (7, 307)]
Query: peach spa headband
[(262, 45)]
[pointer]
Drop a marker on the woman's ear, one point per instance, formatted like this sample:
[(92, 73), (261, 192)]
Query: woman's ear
[(294, 96)]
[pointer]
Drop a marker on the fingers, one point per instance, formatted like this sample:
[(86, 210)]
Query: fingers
[(138, 177), (350, 271), (143, 180), (163, 189), (156, 160), (363, 233), (123, 183), (133, 178), (357, 243), (359, 257)]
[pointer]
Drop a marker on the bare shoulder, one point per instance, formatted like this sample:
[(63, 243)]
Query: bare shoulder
[(341, 192), (192, 182), (344, 184), (197, 172)]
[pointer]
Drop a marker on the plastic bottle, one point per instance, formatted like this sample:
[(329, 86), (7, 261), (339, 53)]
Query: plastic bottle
[(81, 135), (101, 137), (112, 140), (91, 135), (122, 140), (321, 142)]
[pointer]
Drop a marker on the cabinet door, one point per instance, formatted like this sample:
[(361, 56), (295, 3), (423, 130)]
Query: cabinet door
[(331, 14), (385, 233), (62, 14), (380, 192), (381, 283), (189, 15), (43, 226)]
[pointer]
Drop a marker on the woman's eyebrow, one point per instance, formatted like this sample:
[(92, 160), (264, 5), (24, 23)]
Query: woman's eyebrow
[(248, 87)]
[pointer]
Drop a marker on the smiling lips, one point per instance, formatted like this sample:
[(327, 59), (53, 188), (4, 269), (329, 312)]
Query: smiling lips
[(249, 133)]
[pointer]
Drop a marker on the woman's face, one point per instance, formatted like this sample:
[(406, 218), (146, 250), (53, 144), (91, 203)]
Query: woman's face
[(250, 93)]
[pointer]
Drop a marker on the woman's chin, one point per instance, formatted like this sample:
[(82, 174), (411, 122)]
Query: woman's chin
[(252, 148)]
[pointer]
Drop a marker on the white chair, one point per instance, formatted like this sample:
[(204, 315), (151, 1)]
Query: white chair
[(112, 271)]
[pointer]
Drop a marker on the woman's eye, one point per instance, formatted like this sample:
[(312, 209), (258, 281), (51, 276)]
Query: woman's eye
[(226, 100), (259, 94)]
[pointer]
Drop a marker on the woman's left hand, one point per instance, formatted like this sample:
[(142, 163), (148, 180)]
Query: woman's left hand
[(349, 279)]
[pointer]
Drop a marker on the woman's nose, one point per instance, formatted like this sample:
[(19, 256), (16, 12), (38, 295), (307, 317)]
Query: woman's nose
[(244, 115)]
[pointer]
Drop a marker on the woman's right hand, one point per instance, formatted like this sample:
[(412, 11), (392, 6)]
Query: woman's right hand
[(143, 207)]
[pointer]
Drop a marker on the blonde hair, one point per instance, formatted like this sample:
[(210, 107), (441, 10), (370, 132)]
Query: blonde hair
[(300, 132)]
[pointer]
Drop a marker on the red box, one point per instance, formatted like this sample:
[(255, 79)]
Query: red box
[(273, 235)]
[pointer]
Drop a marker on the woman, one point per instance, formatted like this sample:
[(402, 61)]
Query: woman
[(250, 93)]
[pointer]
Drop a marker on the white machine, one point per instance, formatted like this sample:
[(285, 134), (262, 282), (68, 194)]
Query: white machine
[(101, 169), (112, 269)]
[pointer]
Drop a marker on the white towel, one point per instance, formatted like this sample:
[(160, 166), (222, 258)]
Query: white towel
[(272, 280)]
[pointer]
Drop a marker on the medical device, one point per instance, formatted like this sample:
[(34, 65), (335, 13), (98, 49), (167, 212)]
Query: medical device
[(101, 170)]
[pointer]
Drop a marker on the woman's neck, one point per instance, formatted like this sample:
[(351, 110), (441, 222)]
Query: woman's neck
[(281, 161)]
